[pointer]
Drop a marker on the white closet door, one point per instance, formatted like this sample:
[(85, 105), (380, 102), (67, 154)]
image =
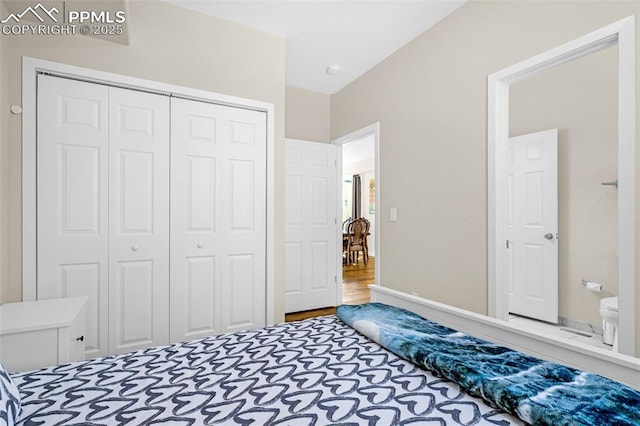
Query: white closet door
[(243, 219), (196, 157), (72, 179), (138, 220), (218, 219)]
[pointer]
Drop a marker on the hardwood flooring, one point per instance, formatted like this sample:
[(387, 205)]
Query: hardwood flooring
[(355, 279)]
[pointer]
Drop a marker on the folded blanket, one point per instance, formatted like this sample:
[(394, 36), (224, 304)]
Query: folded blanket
[(538, 392)]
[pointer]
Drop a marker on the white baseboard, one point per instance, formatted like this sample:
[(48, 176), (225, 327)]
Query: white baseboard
[(623, 368)]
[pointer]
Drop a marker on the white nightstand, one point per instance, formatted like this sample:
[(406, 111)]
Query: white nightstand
[(41, 333)]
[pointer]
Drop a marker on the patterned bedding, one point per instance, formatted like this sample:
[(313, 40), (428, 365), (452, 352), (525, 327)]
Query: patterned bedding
[(313, 372), (538, 392)]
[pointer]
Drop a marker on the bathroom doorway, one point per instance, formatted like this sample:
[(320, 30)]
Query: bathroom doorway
[(618, 41)]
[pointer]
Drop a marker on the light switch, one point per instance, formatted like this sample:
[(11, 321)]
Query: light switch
[(393, 214)]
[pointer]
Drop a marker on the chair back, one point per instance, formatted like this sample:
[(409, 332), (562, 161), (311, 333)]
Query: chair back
[(358, 230), (367, 224), (345, 224)]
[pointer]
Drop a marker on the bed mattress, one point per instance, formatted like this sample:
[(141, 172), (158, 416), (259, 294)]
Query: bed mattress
[(313, 372)]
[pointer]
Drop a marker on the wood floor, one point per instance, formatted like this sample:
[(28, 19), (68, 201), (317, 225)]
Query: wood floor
[(355, 279)]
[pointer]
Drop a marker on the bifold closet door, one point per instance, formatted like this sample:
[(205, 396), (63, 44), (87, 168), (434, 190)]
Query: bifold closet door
[(196, 134), (244, 198), (72, 199), (103, 209), (218, 219), (138, 220)]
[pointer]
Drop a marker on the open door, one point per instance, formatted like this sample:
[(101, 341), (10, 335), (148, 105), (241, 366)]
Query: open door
[(532, 225), (311, 228)]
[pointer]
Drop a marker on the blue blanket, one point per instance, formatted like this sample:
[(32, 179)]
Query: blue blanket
[(538, 392)]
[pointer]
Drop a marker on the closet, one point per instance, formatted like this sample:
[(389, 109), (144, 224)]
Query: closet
[(154, 208)]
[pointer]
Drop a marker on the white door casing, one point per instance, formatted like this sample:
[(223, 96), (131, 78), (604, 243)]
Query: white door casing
[(138, 220), (532, 225), (72, 178), (311, 228)]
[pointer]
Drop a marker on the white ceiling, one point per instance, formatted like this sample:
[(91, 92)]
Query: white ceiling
[(358, 150), (357, 35)]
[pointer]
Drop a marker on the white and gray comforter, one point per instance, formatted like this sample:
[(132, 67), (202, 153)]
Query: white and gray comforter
[(313, 372)]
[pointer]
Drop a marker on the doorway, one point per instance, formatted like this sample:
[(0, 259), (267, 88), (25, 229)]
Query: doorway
[(358, 202), (621, 33), (358, 155), (352, 288)]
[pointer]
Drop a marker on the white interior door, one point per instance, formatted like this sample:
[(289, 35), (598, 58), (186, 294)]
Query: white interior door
[(532, 225), (311, 228), (72, 197), (196, 211), (138, 220)]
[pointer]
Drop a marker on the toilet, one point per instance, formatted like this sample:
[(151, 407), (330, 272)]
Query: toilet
[(609, 312)]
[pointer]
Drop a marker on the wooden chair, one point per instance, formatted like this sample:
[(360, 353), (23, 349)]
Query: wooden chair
[(366, 234), (345, 231), (357, 240)]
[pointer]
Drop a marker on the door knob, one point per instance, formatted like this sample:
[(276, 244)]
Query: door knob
[(548, 236), (134, 247), (200, 245)]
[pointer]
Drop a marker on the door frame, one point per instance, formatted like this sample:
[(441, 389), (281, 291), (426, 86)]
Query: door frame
[(31, 67), (622, 33), (372, 129)]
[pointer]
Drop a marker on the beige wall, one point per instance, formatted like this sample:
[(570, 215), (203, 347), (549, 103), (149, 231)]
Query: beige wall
[(580, 100), (637, 182), (430, 99), (308, 115), (172, 45), (6, 292)]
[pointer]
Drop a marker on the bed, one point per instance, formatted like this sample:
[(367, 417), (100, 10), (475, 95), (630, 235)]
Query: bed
[(318, 371), (313, 372)]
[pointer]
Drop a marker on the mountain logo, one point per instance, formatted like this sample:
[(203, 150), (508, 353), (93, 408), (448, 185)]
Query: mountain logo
[(38, 11)]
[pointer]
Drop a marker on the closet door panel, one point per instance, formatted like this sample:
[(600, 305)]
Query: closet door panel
[(139, 219), (196, 152), (72, 197), (240, 301), (85, 280), (244, 226), (133, 283), (200, 296)]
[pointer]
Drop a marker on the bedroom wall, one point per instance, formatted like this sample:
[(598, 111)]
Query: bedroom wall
[(307, 115), (172, 45), (5, 115), (587, 156), (637, 182), (430, 99)]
